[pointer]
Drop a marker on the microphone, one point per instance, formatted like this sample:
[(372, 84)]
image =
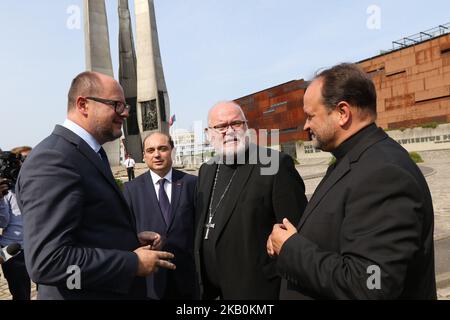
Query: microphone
[(9, 251)]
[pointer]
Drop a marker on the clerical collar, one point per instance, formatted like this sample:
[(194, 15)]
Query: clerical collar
[(232, 165), (352, 141)]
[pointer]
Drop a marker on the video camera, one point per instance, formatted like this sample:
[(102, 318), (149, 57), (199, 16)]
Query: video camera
[(10, 164)]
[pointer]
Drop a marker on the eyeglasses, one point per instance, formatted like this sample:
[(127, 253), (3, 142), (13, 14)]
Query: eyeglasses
[(223, 127), (119, 106)]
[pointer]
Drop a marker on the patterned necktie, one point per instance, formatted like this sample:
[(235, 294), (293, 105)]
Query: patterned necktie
[(164, 203)]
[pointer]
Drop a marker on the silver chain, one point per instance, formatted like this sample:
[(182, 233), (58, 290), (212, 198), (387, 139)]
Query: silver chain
[(211, 212)]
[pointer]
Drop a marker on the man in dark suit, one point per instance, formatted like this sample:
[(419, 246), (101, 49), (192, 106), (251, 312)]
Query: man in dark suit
[(168, 211), (240, 195), (367, 232), (80, 238)]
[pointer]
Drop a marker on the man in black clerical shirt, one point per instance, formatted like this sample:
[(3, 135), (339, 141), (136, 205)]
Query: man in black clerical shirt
[(367, 232), (239, 198)]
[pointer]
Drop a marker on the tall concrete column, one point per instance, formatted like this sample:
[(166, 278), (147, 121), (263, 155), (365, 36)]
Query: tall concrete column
[(128, 80), (98, 55), (153, 110)]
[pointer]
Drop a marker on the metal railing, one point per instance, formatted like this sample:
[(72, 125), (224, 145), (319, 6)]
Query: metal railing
[(421, 36)]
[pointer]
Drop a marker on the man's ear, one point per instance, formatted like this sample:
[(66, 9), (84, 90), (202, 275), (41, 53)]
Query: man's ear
[(345, 113), (81, 105)]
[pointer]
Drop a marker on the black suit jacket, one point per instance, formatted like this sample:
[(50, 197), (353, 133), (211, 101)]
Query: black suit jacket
[(75, 215), (256, 202), (374, 209), (178, 236)]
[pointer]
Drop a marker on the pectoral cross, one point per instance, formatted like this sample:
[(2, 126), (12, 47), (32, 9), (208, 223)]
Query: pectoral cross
[(208, 226)]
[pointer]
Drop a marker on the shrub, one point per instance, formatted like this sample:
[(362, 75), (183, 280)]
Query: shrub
[(332, 161), (119, 183), (432, 125), (415, 157)]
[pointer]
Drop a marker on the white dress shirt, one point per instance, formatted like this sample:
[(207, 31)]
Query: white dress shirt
[(83, 134), (167, 185), (129, 163)]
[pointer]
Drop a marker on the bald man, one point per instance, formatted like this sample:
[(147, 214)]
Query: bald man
[(80, 238), (238, 201), (162, 200)]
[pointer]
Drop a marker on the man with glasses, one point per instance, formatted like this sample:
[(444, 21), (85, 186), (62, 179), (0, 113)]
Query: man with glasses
[(80, 238), (237, 205)]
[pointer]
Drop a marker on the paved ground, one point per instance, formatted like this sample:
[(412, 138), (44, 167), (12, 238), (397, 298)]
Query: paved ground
[(4, 292), (436, 168)]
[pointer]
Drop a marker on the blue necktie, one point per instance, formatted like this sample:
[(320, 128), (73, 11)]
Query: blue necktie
[(104, 158), (164, 203), (105, 162)]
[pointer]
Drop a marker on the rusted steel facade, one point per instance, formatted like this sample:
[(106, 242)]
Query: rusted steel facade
[(279, 107), (412, 83)]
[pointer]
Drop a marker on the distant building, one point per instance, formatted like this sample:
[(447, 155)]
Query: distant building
[(413, 81), (413, 89), (190, 150), (279, 107)]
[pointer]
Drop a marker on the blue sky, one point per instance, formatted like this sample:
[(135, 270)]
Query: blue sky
[(211, 50)]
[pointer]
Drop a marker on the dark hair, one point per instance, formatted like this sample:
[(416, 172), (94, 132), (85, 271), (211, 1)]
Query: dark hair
[(164, 134), (347, 82), (85, 84)]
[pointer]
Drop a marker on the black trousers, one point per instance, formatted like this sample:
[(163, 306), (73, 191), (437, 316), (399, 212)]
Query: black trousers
[(130, 172), (17, 277)]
